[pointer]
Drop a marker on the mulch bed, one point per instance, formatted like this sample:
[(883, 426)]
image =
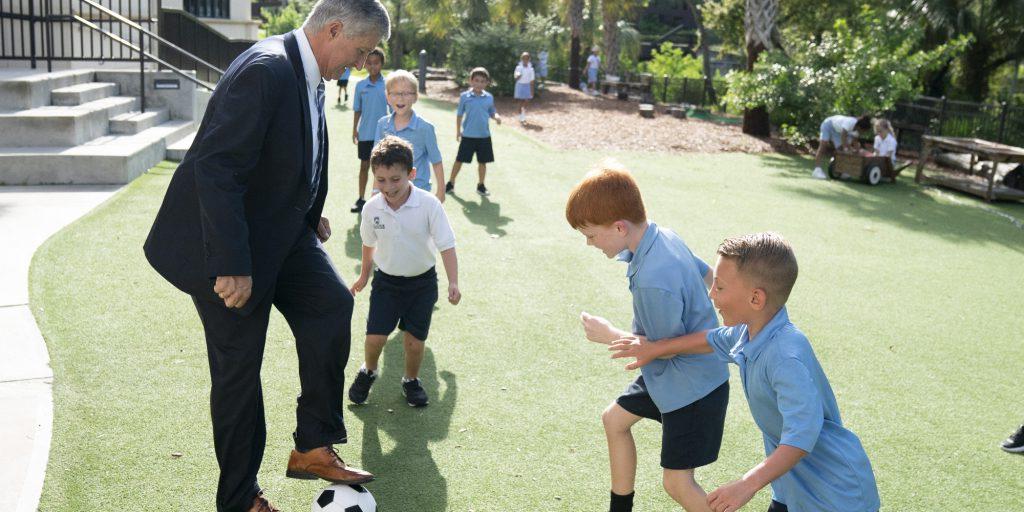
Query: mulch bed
[(569, 119)]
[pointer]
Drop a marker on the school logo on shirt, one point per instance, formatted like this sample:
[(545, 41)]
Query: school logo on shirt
[(377, 224)]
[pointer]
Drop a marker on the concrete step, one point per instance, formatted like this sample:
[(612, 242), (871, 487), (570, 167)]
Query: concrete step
[(111, 159), (24, 91), (83, 93), (176, 150), (135, 122), (62, 126)]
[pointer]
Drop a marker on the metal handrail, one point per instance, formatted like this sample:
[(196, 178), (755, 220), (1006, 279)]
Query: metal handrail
[(163, 41), (133, 47)]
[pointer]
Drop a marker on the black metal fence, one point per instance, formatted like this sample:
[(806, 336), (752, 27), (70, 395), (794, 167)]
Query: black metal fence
[(996, 122), (196, 38), (209, 8), (48, 30)]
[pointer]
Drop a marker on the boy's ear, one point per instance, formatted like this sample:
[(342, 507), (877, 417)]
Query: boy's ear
[(621, 227), (758, 299)]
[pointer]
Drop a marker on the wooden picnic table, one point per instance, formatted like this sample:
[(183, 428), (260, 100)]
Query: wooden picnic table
[(982, 182)]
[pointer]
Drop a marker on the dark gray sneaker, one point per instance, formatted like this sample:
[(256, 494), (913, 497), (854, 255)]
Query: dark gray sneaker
[(449, 188), (1014, 443), (482, 190), (361, 386), (414, 393)]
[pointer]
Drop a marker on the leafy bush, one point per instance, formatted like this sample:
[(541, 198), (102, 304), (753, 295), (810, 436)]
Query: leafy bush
[(281, 20), (497, 47), (672, 62), (845, 73)]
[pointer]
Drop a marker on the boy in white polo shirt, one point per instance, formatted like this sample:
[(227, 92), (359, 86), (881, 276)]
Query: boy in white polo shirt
[(401, 227)]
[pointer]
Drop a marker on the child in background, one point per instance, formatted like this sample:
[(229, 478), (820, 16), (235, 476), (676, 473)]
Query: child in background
[(370, 104), (885, 142), (593, 64), (476, 107), (343, 84), (404, 123), (525, 78)]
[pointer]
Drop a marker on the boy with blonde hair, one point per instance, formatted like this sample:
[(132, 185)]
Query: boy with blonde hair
[(403, 122), (813, 464), (687, 394)]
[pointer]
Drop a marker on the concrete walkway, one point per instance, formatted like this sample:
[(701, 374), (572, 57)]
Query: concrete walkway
[(28, 216)]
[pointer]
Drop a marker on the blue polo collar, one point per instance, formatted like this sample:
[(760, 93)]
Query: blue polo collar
[(636, 259), (414, 123), (751, 349)]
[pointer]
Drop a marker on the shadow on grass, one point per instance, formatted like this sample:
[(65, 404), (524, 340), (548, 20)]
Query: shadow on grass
[(354, 241), (486, 213), (406, 473)]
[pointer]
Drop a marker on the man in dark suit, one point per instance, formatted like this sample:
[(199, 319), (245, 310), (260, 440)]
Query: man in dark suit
[(240, 230)]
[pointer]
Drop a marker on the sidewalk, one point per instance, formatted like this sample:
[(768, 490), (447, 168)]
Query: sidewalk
[(28, 216)]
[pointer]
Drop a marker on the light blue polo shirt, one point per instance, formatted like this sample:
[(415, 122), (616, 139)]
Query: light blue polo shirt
[(419, 133), (669, 300), (344, 75), (476, 111), (792, 403), (369, 99)]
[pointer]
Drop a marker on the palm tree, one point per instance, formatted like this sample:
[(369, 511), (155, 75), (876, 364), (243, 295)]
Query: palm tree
[(762, 34), (705, 52)]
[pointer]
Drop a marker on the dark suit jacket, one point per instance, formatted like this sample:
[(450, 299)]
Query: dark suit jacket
[(242, 195)]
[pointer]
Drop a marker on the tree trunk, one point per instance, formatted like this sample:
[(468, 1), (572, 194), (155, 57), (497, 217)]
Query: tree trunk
[(396, 51), (611, 40), (576, 27), (759, 21), (976, 71), (705, 53)]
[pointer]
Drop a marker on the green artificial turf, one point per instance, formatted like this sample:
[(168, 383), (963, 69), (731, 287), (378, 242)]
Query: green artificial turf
[(909, 295)]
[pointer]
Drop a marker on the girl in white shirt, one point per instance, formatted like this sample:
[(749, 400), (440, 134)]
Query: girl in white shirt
[(524, 77), (885, 142)]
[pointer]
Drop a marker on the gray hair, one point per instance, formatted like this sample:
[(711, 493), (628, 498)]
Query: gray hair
[(359, 17)]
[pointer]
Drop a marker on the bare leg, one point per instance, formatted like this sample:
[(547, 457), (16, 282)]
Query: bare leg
[(364, 176), (824, 151), (481, 170), (680, 484), (455, 171), (414, 350), (621, 447), (373, 347)]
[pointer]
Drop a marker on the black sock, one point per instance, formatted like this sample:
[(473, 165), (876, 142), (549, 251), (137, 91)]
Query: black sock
[(622, 503)]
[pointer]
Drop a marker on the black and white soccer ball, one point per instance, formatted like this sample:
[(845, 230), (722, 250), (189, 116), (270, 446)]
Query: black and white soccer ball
[(345, 498)]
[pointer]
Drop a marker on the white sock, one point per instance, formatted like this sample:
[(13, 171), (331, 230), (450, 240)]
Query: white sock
[(367, 371), (818, 169), (407, 379)]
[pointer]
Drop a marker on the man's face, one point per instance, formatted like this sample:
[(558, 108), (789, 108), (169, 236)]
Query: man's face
[(401, 96), (731, 293), (343, 51), (393, 181), (610, 239)]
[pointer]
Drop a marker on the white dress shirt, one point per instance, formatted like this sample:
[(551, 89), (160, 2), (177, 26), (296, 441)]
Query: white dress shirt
[(313, 79)]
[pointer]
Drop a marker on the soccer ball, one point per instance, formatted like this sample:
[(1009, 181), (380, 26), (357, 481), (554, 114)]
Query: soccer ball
[(345, 498)]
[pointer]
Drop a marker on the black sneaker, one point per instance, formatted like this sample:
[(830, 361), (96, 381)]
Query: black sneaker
[(482, 190), (449, 187), (1015, 443), (414, 393), (358, 207), (361, 387)]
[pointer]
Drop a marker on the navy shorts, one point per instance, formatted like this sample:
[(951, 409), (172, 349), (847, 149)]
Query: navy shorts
[(343, 83), (480, 146), (407, 302), (365, 148), (777, 507), (691, 435)]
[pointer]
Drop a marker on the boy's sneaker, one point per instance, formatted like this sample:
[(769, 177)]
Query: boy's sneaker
[(361, 387), (482, 190), (414, 393), (1015, 443), (449, 188), (819, 174), (358, 207)]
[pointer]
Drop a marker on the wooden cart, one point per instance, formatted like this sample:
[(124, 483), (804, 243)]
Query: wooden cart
[(869, 169), (981, 181)]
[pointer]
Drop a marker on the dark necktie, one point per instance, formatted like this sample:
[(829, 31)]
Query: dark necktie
[(320, 130)]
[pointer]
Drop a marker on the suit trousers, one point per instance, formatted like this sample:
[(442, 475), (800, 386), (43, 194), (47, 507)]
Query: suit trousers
[(317, 305)]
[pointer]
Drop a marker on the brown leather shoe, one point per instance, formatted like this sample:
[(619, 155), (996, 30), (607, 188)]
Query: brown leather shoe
[(324, 463), (261, 504)]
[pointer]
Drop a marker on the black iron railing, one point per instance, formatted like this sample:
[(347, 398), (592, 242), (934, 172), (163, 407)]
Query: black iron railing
[(996, 122), (209, 8), (197, 41)]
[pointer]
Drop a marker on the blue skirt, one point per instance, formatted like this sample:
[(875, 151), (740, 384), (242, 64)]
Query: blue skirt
[(523, 91)]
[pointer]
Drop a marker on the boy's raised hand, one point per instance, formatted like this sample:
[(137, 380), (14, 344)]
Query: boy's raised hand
[(598, 329), (636, 347), (731, 496)]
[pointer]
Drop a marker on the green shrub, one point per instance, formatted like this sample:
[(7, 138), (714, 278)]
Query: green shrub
[(672, 62), (845, 73), (285, 19), (497, 47)]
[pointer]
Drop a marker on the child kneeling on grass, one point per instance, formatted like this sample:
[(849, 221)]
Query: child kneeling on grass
[(813, 463), (687, 394), (402, 227)]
